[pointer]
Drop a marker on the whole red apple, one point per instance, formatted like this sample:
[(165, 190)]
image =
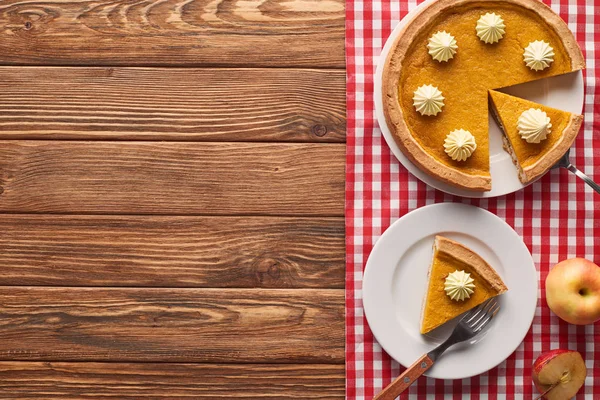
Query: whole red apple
[(573, 291), (560, 373)]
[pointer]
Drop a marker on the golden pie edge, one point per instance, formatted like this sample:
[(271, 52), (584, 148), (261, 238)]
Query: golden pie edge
[(391, 76), (468, 256)]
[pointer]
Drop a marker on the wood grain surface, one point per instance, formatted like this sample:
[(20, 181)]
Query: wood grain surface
[(172, 325), (171, 178), (172, 199), (234, 252), (173, 32), (172, 104), (60, 380)]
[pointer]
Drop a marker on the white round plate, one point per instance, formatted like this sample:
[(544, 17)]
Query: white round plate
[(395, 281), (564, 92)]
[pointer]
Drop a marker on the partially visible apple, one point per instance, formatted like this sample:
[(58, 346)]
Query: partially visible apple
[(565, 368), (573, 291)]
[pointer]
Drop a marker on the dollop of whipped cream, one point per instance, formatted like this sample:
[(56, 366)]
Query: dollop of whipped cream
[(490, 28), (534, 125), (459, 285), (442, 46), (460, 144), (428, 100), (538, 55)]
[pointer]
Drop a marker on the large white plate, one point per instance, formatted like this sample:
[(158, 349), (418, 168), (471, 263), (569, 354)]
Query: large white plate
[(564, 92), (395, 281)]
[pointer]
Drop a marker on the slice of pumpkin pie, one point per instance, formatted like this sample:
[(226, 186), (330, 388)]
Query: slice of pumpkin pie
[(536, 136), (459, 279)]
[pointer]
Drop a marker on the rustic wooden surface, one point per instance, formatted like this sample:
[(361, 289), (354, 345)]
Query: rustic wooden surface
[(250, 105), (171, 178), (124, 381), (253, 252), (273, 33), (172, 325), (172, 199)]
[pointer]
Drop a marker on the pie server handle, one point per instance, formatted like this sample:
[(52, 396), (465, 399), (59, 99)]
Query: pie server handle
[(401, 383), (583, 176)]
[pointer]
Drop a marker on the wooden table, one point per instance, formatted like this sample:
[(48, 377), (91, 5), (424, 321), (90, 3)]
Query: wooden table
[(172, 199)]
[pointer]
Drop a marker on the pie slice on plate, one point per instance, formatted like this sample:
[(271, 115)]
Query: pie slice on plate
[(448, 257), (533, 159)]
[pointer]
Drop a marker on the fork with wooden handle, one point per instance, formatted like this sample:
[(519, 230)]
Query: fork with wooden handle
[(469, 326)]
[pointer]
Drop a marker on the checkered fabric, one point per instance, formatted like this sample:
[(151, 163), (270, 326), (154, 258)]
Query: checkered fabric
[(558, 217)]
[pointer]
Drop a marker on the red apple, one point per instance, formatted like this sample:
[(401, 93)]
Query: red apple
[(563, 368), (573, 291)]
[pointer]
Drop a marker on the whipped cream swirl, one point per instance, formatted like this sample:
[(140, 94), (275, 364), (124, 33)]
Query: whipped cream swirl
[(428, 100), (534, 125), (442, 46), (459, 285), (460, 144), (538, 55), (490, 28)]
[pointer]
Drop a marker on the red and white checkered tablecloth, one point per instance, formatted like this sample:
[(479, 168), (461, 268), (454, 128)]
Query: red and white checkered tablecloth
[(558, 217)]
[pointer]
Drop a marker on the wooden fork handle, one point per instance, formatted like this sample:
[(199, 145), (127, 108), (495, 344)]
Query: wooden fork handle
[(401, 383)]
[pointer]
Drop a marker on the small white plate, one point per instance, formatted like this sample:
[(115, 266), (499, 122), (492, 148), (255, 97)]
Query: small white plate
[(395, 281), (564, 92)]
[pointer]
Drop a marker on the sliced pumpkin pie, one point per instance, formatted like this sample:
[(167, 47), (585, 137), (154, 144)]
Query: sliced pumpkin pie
[(459, 279), (536, 136), (440, 67)]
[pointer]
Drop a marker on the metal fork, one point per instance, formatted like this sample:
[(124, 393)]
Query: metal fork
[(565, 163), (468, 327)]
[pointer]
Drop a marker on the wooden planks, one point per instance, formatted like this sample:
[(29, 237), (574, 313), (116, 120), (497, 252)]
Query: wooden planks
[(60, 380), (138, 260), (173, 32), (171, 178), (234, 252), (172, 325), (172, 104)]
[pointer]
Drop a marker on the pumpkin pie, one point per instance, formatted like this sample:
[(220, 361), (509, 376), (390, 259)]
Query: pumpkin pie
[(450, 256), (464, 80), (533, 159)]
